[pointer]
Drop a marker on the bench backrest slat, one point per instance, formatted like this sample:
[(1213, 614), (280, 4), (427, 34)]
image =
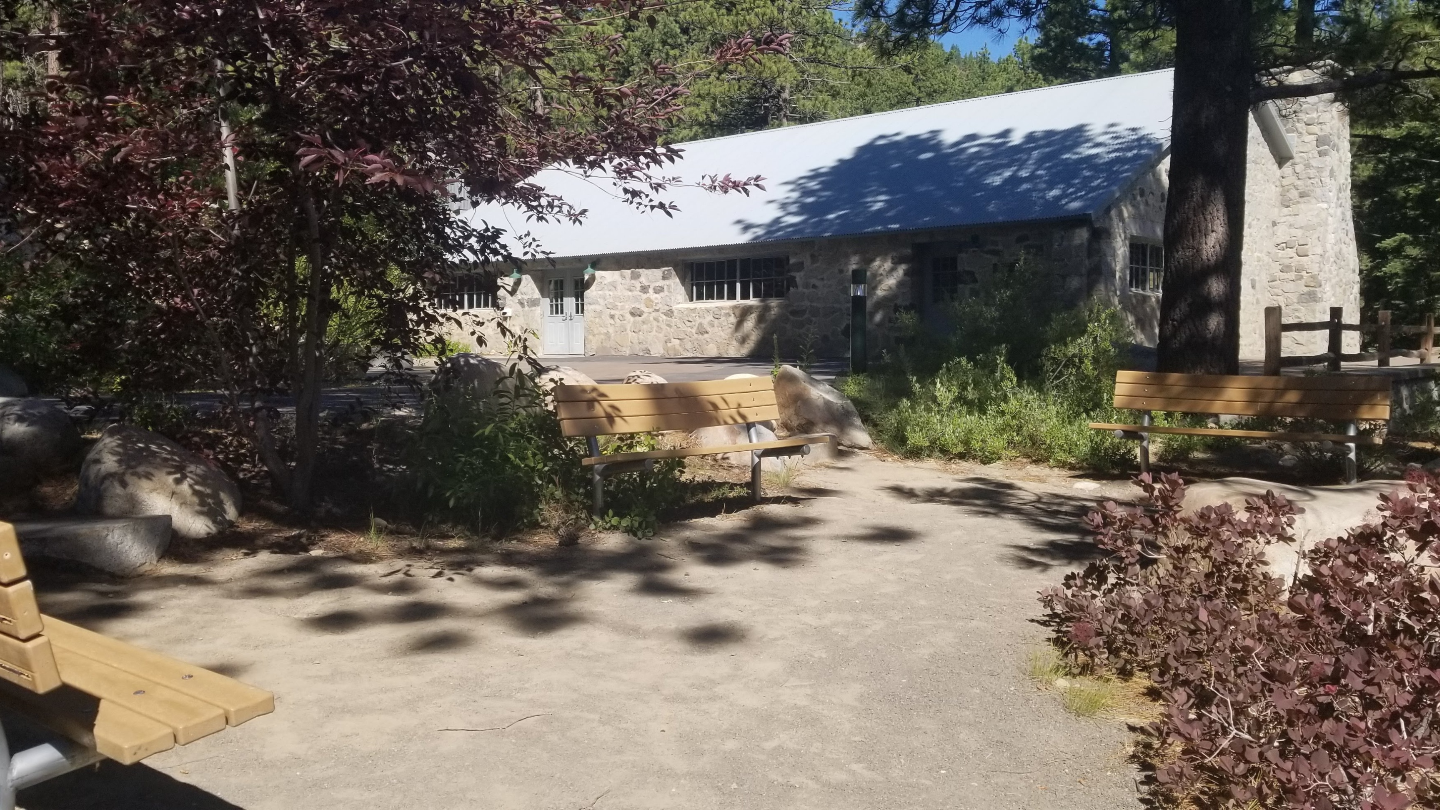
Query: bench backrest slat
[(605, 410), (26, 657), (1340, 397)]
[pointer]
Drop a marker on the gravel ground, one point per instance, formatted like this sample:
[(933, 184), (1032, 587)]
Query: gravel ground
[(861, 644)]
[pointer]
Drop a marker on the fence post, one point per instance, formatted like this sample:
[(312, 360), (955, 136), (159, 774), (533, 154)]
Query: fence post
[(1427, 339), (1382, 321), (1272, 341), (1337, 320)]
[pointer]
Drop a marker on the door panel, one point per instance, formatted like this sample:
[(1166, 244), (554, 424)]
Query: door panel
[(565, 313)]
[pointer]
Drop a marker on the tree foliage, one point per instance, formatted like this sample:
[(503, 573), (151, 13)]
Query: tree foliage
[(354, 129), (829, 71)]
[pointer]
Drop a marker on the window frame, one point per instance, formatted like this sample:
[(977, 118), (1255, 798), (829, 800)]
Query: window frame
[(738, 279), (467, 288), (1151, 272)]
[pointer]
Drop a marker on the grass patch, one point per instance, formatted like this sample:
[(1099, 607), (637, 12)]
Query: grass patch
[(1087, 697)]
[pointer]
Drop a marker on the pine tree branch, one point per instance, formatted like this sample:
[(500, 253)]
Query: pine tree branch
[(1374, 78)]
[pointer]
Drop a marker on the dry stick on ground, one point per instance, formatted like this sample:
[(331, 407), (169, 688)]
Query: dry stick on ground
[(499, 728)]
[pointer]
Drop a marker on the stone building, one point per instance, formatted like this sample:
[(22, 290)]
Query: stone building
[(929, 201)]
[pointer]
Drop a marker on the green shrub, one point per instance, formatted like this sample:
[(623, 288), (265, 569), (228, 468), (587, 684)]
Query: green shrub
[(499, 463), (442, 348), (981, 408)]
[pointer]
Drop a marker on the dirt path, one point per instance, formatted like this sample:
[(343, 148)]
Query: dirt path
[(861, 647)]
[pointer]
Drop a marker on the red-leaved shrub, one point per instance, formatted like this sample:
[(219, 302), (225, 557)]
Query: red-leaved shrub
[(1322, 698)]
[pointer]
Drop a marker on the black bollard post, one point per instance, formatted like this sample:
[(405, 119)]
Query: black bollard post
[(858, 355)]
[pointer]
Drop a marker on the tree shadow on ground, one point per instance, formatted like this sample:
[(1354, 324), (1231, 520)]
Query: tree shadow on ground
[(538, 585), (1060, 516)]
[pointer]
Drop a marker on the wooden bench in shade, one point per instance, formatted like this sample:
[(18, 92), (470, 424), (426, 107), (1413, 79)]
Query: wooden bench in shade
[(100, 697), (593, 411), (1341, 398)]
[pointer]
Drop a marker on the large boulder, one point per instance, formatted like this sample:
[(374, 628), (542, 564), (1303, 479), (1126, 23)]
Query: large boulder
[(1329, 512), (120, 546), (731, 435), (36, 439), (470, 371), (132, 472), (12, 384), (810, 406), (561, 375), (643, 377)]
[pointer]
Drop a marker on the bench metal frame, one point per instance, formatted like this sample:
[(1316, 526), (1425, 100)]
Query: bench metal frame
[(601, 470), (39, 763)]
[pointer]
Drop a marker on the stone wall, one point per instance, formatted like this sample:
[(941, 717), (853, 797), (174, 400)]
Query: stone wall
[(1138, 213), (1300, 249)]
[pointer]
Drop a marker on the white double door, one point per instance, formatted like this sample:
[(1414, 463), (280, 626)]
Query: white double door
[(564, 312)]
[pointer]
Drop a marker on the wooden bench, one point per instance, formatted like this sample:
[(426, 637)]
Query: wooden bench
[(1342, 398), (98, 697), (593, 411)]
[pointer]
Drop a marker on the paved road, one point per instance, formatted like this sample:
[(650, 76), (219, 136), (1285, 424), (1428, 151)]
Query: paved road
[(861, 647)]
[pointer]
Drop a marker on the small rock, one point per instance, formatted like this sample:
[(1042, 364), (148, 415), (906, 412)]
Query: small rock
[(1289, 461), (1061, 683), (810, 406), (742, 376), (643, 377), (132, 472)]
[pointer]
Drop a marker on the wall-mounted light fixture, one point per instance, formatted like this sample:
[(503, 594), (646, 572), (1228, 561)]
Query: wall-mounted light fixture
[(590, 268)]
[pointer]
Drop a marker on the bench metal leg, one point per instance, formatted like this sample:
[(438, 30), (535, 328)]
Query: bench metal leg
[(757, 464), (597, 479), (38, 764), (1145, 444), (1352, 455)]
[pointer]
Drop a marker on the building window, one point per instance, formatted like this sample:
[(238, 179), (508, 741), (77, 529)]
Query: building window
[(557, 296), (739, 279), (468, 291), (1147, 266), (948, 280)]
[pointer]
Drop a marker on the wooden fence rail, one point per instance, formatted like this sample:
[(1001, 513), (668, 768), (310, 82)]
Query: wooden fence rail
[(1336, 328)]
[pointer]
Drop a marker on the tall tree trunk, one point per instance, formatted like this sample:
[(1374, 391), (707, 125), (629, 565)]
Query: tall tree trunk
[(307, 388), (1305, 23), (1205, 213)]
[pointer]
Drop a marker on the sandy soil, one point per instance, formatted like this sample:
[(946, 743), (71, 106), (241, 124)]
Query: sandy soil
[(861, 644)]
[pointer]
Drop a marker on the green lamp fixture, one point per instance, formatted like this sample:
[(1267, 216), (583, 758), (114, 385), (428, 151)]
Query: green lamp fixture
[(590, 269), (515, 275)]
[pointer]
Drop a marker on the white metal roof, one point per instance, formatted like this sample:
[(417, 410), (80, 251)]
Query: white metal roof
[(1057, 152)]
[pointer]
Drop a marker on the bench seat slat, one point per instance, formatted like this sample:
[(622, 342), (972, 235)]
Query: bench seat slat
[(611, 425), (1233, 394), (239, 701), (590, 409), (1336, 382), (113, 730), (687, 452), (1236, 408), (620, 391), (1279, 436), (189, 718)]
